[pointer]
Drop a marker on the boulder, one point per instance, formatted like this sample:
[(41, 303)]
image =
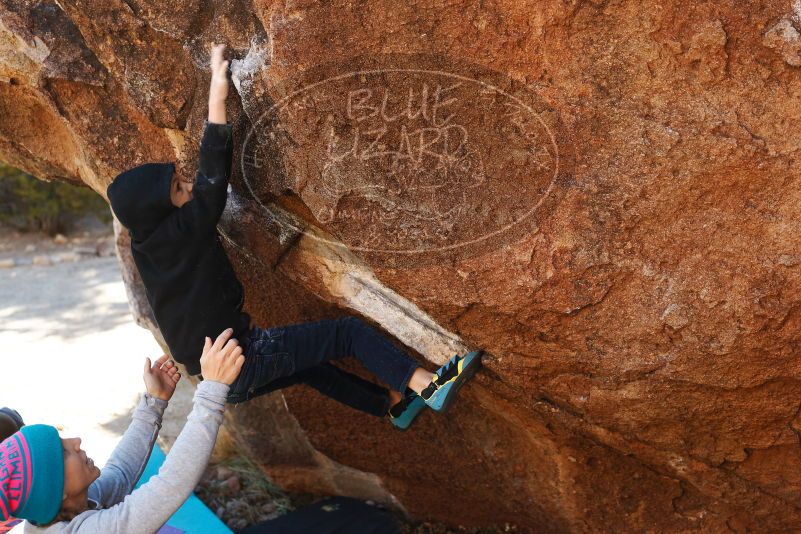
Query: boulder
[(602, 195)]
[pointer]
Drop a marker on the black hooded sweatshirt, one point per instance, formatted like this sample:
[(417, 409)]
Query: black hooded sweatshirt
[(188, 278)]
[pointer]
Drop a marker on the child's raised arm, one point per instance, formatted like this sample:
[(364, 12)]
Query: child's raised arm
[(210, 190), (215, 157)]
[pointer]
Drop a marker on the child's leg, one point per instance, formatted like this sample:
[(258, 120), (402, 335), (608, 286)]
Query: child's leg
[(344, 387), (349, 389), (268, 368), (310, 344)]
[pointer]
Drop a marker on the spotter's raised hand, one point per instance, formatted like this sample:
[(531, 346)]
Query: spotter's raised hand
[(161, 377)]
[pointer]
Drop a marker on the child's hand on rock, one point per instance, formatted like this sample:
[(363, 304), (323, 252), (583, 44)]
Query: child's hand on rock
[(161, 378), (218, 91), (222, 360)]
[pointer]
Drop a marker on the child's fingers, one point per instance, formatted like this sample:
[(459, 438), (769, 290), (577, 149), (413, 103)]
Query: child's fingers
[(237, 352), (147, 365), (176, 377), (160, 362), (207, 344)]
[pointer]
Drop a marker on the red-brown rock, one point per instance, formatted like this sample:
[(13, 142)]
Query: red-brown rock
[(603, 195)]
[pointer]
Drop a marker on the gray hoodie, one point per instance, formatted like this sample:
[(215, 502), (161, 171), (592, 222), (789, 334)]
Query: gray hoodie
[(114, 506)]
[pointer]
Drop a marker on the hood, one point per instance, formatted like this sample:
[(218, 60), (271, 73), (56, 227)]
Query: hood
[(140, 197)]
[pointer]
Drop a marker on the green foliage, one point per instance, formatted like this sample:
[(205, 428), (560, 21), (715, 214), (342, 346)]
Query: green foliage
[(51, 207)]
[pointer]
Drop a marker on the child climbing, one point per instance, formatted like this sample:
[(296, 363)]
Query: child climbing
[(49, 482), (194, 292)]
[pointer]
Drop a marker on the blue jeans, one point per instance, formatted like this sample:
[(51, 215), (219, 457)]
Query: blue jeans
[(282, 356)]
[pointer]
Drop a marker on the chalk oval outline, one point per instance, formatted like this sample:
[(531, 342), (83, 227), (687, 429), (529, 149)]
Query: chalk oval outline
[(370, 250)]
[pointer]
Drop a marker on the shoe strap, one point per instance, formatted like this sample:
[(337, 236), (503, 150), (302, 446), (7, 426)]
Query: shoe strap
[(429, 390), (398, 408)]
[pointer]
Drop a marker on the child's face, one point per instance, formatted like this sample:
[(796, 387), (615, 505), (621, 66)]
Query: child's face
[(180, 191), (79, 471)]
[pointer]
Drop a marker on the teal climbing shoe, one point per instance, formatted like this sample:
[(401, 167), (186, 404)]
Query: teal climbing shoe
[(441, 392), (403, 413)]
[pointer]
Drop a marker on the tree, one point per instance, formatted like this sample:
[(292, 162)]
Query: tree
[(51, 207)]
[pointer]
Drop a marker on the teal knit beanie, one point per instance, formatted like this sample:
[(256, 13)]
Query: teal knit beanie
[(32, 474)]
